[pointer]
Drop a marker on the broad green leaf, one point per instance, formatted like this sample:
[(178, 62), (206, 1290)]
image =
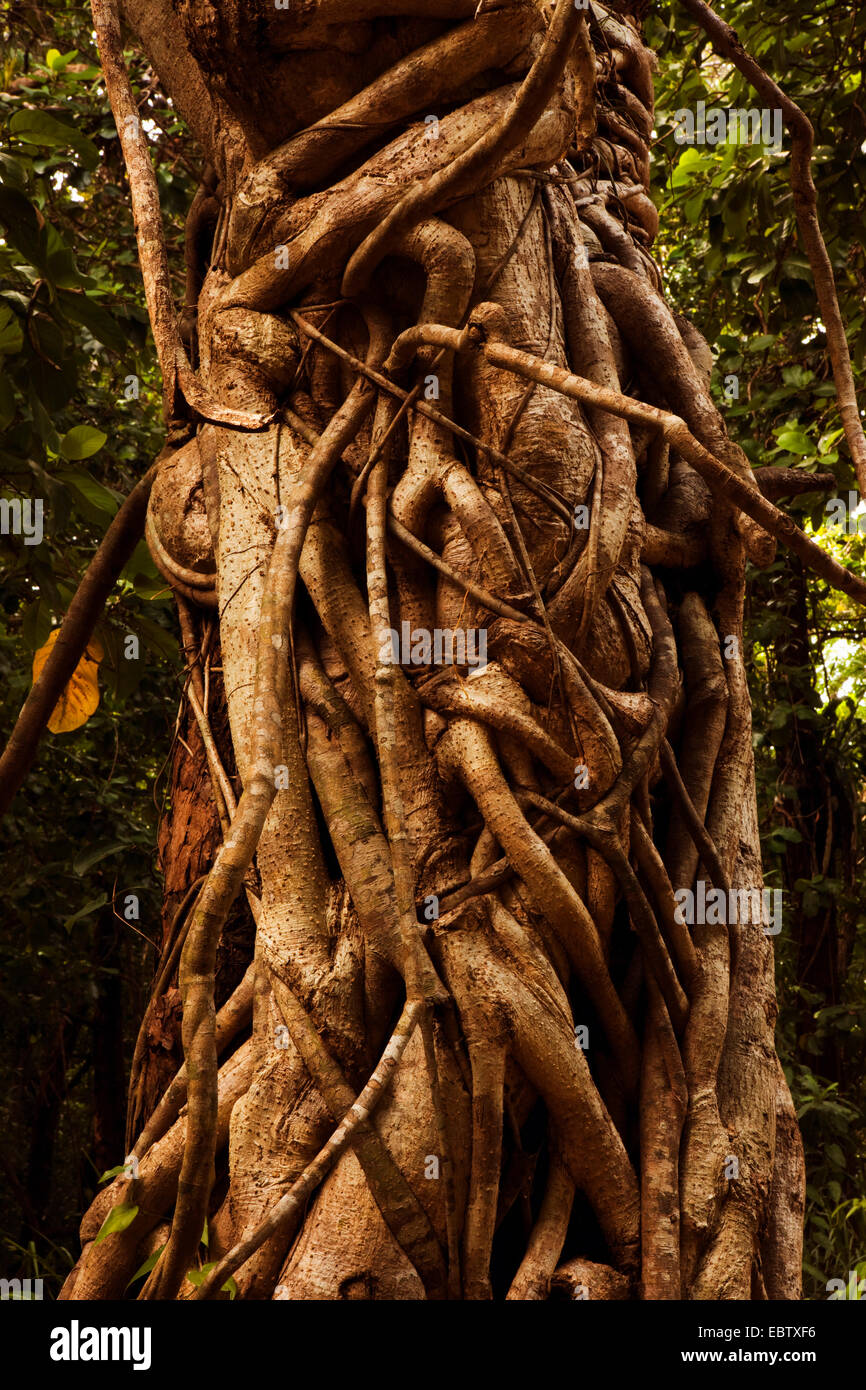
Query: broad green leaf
[(87, 858), (197, 1277), (38, 128), (11, 333), (90, 314), (36, 623), (795, 440), (693, 207), (82, 442), (147, 1266), (117, 1220), (86, 911), (760, 272), (96, 494), (58, 61)]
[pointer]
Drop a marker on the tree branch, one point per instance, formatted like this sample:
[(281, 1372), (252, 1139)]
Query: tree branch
[(727, 45), (76, 630)]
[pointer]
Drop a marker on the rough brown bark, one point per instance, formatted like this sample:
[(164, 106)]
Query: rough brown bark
[(373, 279)]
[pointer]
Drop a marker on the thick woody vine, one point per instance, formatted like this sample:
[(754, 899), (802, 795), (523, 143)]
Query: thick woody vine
[(426, 380)]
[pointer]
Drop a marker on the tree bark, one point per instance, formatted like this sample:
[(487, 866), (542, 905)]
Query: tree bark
[(428, 312)]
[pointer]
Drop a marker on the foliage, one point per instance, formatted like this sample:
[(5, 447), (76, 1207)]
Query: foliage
[(79, 418), (733, 263)]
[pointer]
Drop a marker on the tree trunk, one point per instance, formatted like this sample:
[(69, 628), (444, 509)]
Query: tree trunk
[(482, 659)]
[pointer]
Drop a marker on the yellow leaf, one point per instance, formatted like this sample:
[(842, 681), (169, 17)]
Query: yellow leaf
[(81, 696)]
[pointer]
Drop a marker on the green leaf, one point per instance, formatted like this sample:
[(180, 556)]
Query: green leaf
[(693, 207), (157, 638), (691, 162), (36, 623), (761, 272), (112, 1172), (147, 1266), (795, 440), (11, 334), (197, 1277), (117, 1220), (12, 172), (81, 442), (38, 128), (93, 906), (58, 61), (87, 312), (87, 858), (99, 497), (59, 262)]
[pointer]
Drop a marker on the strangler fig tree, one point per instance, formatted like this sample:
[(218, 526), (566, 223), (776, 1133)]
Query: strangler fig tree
[(458, 540)]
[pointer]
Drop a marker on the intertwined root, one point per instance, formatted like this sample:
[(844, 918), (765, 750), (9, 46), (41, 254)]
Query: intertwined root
[(464, 878)]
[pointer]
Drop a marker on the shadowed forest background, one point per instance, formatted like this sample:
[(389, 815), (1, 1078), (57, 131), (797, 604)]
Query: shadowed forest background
[(79, 413)]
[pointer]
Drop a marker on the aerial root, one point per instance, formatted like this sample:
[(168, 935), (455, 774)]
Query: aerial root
[(532, 1280), (487, 1060), (237, 851), (289, 1206), (717, 474)]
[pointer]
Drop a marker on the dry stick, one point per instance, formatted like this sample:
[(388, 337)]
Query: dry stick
[(409, 400), (469, 749), (377, 585), (791, 482), (76, 630), (403, 1214), (653, 868), (675, 430), (360, 483), (505, 493), (493, 878), (294, 1200), (235, 855), (544, 1247), (663, 1103), (487, 1059), (222, 788), (428, 197), (541, 490), (727, 45), (385, 724)]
